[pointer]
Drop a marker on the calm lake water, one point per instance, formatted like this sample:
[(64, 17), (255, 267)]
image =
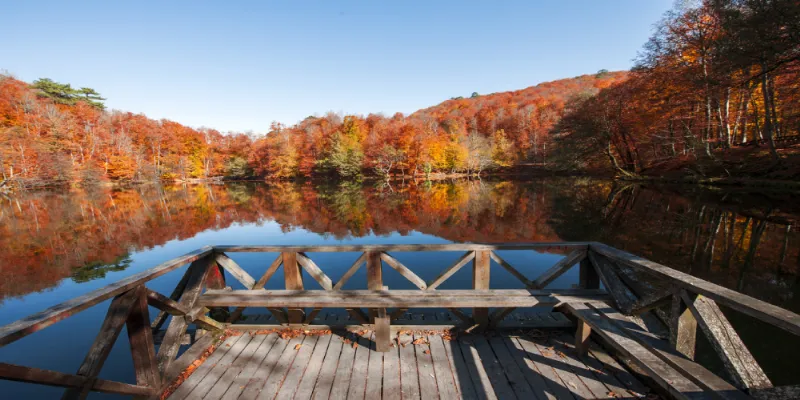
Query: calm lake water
[(57, 245)]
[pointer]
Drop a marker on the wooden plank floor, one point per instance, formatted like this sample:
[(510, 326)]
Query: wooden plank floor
[(419, 366)]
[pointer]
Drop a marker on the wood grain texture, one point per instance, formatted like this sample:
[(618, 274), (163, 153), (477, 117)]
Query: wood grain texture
[(177, 326), (404, 247), (293, 278), (59, 379), (755, 308), (314, 271), (480, 280), (404, 271), (449, 271), (116, 316), (738, 361), (235, 270), (36, 322), (559, 268)]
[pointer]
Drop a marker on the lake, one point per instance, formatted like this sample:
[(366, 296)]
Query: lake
[(56, 245)]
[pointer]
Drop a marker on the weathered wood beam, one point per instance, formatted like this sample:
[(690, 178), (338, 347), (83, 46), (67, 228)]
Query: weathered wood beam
[(165, 303), (140, 338), (208, 323), (623, 297), (269, 272), (116, 316), (755, 308), (738, 361), (480, 281), (380, 299), (447, 273), (351, 271), (403, 270), (314, 271), (175, 295), (192, 354), (650, 302), (374, 276), (582, 333), (683, 328), (36, 322), (587, 275), (510, 268), (688, 368), (382, 332), (235, 270), (777, 393), (293, 279), (647, 289), (579, 294), (559, 268), (403, 247), (672, 381), (237, 313), (177, 326), (59, 379)]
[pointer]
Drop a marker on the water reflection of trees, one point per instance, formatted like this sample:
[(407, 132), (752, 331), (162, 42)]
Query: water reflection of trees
[(740, 240), (744, 241)]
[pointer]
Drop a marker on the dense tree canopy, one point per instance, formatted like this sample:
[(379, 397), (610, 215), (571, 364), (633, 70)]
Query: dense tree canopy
[(716, 73), (51, 133)]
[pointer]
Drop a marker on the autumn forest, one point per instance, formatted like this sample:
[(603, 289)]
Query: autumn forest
[(714, 92)]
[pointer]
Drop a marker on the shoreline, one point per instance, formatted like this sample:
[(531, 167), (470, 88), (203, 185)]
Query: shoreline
[(721, 182)]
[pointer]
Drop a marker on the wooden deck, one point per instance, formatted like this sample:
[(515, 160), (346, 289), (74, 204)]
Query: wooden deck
[(422, 366), (646, 314)]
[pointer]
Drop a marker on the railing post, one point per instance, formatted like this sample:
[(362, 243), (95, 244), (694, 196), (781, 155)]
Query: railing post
[(683, 327), (294, 281), (374, 277), (480, 281), (588, 278), (140, 337), (582, 334)]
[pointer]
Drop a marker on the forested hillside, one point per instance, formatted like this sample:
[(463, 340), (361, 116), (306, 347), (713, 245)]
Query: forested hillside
[(51, 133), (716, 91)]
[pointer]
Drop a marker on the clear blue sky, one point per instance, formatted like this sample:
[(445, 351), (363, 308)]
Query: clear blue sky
[(240, 65)]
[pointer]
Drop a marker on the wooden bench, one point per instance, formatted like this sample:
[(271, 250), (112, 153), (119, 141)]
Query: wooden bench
[(675, 373), (380, 300)]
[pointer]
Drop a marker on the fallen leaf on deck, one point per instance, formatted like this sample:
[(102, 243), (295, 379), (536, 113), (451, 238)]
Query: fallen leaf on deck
[(298, 346)]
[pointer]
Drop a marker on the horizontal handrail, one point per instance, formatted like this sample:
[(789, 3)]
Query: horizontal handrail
[(398, 247), (751, 306), (36, 322)]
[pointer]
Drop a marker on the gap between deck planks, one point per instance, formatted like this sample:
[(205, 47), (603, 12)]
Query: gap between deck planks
[(345, 365)]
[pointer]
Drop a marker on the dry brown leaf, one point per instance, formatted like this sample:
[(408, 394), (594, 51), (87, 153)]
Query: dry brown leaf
[(427, 352), (298, 346)]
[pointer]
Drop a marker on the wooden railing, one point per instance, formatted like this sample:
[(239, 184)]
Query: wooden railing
[(633, 285), (692, 304)]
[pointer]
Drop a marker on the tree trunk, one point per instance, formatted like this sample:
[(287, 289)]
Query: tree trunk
[(767, 114)]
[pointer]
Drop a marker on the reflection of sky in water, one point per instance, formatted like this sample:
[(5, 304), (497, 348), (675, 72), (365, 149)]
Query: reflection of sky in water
[(63, 346)]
